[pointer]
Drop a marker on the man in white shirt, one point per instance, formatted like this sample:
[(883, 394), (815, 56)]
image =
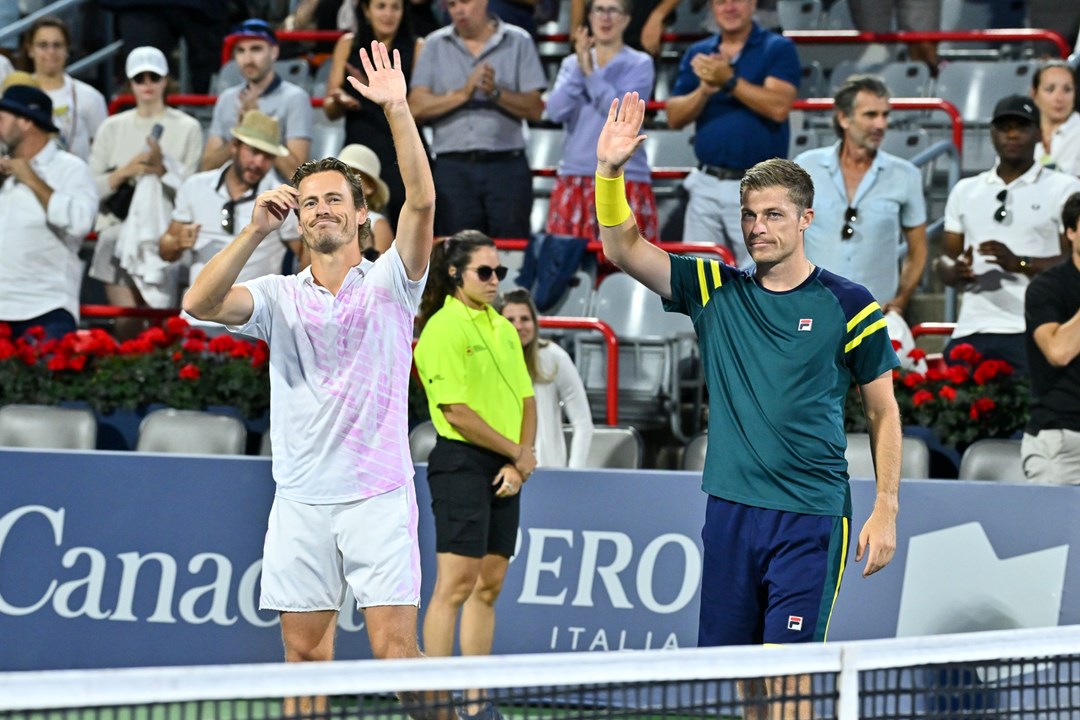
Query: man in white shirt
[(1003, 227), (255, 52), (340, 335), (212, 207), (47, 206)]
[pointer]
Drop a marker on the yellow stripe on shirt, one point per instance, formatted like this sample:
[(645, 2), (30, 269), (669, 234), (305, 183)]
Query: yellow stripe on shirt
[(717, 281), (701, 282), (853, 322), (870, 330)]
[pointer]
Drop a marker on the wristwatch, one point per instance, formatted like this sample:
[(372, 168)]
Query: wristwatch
[(729, 86), (1025, 263), (495, 94)]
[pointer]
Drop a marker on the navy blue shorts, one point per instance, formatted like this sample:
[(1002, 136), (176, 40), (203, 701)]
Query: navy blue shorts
[(769, 576)]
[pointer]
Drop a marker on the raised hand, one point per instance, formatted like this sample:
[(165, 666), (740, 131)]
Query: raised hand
[(273, 206), (583, 43), (621, 135), (386, 81)]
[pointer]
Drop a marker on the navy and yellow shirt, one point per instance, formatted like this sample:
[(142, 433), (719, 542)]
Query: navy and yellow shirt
[(778, 366)]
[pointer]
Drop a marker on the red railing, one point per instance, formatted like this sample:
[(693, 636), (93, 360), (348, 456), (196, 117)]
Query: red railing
[(826, 104), (612, 342), (932, 328), (842, 37)]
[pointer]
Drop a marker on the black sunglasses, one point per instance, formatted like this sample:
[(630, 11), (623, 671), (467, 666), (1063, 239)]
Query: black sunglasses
[(228, 220), (146, 77), (1001, 213), (850, 216), (484, 272)]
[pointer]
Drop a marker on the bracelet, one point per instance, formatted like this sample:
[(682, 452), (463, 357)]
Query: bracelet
[(612, 209)]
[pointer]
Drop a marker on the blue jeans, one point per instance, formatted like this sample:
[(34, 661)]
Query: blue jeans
[(57, 323), (493, 196)]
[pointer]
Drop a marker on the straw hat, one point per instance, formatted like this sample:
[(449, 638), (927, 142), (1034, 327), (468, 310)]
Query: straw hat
[(261, 132), (363, 159), (19, 77)]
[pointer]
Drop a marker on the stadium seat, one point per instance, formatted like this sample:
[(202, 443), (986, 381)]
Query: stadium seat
[(265, 449), (328, 136), (544, 146), (322, 75), (800, 14), (914, 457), (905, 143), (618, 448), (671, 148), (191, 432), (812, 84), (578, 301), (907, 79), (295, 70), (694, 453), (422, 441), (992, 459), (46, 427), (805, 140)]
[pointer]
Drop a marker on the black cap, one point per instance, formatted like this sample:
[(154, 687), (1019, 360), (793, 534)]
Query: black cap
[(1017, 106), (30, 103)]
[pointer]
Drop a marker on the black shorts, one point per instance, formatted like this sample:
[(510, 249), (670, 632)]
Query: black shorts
[(469, 519)]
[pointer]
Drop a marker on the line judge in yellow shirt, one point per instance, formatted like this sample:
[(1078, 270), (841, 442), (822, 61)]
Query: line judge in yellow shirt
[(481, 399)]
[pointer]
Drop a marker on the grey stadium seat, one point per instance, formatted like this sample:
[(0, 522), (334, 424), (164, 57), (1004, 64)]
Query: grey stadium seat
[(43, 426), (914, 459), (191, 432), (422, 441), (992, 459), (619, 448), (694, 454)]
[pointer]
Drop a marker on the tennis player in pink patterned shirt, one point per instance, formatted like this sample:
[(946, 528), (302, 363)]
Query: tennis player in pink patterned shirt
[(340, 334)]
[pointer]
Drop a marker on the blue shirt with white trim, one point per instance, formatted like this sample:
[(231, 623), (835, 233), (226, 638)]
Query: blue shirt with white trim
[(778, 366)]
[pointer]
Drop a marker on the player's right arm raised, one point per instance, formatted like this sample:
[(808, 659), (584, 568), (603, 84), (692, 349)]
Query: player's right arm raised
[(622, 240), (214, 295)]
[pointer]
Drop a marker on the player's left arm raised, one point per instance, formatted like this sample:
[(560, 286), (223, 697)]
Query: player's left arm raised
[(416, 224), (877, 539)]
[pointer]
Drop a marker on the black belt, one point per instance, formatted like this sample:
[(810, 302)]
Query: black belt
[(722, 173), (482, 155)]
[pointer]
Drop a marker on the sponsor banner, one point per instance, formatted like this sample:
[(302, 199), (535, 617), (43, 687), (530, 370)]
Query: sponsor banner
[(122, 559)]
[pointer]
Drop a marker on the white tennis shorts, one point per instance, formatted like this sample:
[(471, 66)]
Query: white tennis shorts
[(313, 552)]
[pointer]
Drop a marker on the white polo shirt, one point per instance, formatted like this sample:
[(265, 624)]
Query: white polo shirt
[(1064, 147), (339, 379), (40, 269), (201, 200), (995, 302)]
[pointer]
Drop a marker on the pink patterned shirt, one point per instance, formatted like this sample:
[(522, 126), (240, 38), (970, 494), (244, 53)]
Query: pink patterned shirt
[(339, 379)]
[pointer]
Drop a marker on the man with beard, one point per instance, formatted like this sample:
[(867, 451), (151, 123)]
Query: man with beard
[(255, 52), (47, 205), (213, 206), (1002, 228), (866, 202), (340, 335)]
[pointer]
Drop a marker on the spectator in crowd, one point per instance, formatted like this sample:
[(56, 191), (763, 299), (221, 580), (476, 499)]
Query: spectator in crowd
[(645, 24), (6, 68), (903, 15), (600, 68), (343, 15), (866, 203), (255, 52), (1002, 227), (213, 206), (474, 83), (47, 206), (365, 123), (738, 87), (483, 409), (1051, 444), (1054, 88), (365, 163), (201, 24), (557, 386), (128, 155), (78, 109)]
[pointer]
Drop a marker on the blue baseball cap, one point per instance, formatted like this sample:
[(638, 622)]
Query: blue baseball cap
[(30, 103), (255, 28)]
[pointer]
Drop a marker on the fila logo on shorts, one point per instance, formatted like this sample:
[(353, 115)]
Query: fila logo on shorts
[(806, 324), (794, 622)]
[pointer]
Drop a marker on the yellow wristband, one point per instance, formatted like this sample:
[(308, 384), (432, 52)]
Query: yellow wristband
[(611, 206)]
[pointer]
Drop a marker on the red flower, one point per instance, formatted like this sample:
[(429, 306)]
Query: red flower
[(5, 331), (990, 369), (190, 372), (935, 375), (28, 354), (177, 356), (37, 332), (964, 352), (56, 363), (137, 346), (917, 354), (913, 379), (981, 406), (895, 374), (175, 326), (896, 345), (260, 355), (194, 345), (958, 374), (947, 393), (155, 336), (222, 344), (77, 363), (197, 334), (7, 348), (241, 350), (922, 397)]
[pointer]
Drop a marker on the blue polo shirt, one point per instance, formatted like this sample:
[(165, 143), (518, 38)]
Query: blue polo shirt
[(888, 199), (729, 134)]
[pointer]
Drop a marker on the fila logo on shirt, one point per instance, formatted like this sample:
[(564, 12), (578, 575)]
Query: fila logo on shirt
[(806, 324), (794, 622)]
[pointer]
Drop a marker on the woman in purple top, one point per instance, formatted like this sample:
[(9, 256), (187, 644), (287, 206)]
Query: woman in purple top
[(601, 68)]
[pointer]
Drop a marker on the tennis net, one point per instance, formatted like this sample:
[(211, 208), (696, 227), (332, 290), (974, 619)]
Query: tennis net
[(1021, 675)]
